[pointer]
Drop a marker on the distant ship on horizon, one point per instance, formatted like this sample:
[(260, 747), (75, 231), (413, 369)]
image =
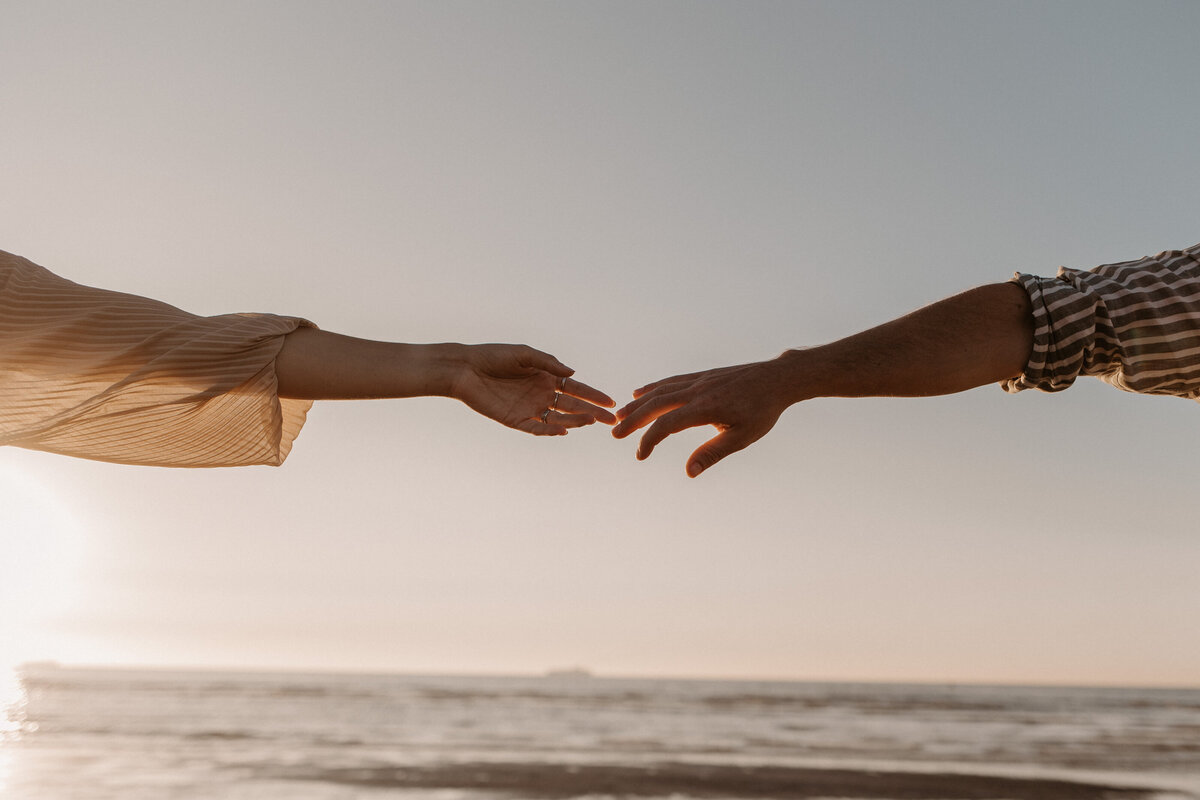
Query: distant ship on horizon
[(569, 672)]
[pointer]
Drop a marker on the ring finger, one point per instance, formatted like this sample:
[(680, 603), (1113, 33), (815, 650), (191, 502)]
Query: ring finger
[(573, 405)]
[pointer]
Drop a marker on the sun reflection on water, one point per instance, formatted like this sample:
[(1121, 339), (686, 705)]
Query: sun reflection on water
[(43, 551), (12, 704), (13, 721)]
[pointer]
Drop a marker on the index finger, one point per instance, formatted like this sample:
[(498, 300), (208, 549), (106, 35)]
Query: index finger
[(649, 387), (646, 412)]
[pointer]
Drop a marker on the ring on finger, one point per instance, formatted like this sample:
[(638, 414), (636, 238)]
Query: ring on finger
[(554, 404), (545, 414), (562, 384)]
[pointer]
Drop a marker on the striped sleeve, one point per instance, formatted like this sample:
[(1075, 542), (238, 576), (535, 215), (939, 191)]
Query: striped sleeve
[(116, 377), (1135, 325)]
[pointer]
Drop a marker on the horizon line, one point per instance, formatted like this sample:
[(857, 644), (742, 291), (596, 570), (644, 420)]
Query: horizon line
[(583, 674)]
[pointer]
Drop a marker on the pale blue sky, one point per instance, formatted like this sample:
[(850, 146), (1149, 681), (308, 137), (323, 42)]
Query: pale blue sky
[(641, 189)]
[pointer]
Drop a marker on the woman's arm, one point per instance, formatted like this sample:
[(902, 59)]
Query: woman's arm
[(515, 385)]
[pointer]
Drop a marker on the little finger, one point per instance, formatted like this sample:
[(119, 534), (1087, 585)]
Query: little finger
[(539, 428), (569, 420)]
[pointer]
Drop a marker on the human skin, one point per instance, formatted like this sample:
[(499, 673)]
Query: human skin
[(512, 384), (981, 336)]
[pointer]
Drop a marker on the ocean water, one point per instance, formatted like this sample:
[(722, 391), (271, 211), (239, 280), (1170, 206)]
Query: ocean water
[(91, 734)]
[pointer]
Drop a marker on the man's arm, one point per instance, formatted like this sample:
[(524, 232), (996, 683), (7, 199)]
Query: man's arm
[(980, 336)]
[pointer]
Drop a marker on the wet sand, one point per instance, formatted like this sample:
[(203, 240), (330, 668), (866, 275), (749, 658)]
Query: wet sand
[(554, 781)]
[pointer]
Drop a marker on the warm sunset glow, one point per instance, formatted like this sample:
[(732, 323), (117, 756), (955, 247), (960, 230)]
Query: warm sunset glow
[(642, 190)]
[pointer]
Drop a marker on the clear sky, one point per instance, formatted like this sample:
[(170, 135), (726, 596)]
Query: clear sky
[(642, 189)]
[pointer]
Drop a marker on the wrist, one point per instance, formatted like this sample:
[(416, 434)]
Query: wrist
[(444, 366), (798, 375)]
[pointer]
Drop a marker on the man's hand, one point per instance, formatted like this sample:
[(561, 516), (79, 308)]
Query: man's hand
[(527, 389), (742, 403), (981, 336)]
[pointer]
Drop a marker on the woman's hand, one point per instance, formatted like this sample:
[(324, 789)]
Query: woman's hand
[(513, 384), (527, 389), (742, 403)]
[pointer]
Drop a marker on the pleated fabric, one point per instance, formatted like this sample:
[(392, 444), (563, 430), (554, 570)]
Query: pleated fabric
[(1134, 324), (115, 377)]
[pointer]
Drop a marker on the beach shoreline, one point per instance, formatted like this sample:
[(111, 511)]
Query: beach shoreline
[(547, 781), (108, 734)]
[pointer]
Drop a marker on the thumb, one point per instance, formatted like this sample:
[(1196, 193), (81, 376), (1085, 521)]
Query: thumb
[(716, 448), (547, 362)]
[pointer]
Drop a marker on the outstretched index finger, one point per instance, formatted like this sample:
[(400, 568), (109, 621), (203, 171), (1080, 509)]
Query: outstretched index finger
[(643, 412)]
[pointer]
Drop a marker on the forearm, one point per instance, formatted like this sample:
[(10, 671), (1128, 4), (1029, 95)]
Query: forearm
[(978, 337), (319, 365)]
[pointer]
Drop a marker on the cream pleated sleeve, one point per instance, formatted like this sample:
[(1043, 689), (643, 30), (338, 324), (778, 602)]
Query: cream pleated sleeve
[(116, 377)]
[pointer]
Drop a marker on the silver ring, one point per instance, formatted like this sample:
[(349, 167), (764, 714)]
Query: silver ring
[(562, 384), (554, 405), (545, 414)]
